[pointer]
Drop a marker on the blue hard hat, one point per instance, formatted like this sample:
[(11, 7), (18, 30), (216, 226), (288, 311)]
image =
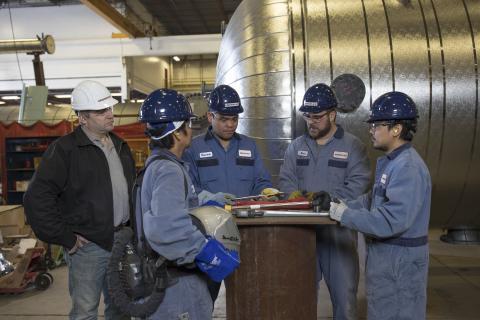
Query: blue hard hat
[(318, 98), (393, 106), (224, 99), (165, 105)]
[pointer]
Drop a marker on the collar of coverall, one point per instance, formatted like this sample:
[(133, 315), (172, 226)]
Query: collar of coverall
[(209, 135), (392, 155)]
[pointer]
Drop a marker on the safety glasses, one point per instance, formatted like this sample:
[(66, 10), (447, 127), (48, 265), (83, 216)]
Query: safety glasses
[(375, 125), (314, 117)]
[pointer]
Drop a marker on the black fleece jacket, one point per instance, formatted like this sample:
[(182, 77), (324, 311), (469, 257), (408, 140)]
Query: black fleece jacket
[(71, 191)]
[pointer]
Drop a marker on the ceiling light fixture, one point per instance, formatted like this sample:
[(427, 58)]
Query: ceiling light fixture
[(11, 98), (176, 58), (63, 96), (2, 102)]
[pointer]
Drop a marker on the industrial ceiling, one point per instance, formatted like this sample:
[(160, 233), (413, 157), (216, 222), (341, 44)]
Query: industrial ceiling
[(140, 18)]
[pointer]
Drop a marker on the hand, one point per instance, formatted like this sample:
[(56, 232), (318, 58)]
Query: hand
[(216, 260), (219, 197), (81, 241), (337, 209), (270, 194), (320, 200), (228, 198), (296, 194)]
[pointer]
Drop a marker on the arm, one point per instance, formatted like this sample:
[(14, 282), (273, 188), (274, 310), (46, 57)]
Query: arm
[(403, 200), (288, 180), (167, 224), (363, 201), (41, 199)]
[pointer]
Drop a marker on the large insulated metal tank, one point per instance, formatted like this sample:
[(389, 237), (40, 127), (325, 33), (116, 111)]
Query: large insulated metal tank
[(273, 50)]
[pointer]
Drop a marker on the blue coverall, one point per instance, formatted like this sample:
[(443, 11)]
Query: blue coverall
[(341, 168), (238, 170), (394, 217), (169, 231)]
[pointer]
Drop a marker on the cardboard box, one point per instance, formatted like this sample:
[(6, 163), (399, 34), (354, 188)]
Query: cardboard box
[(21, 185), (12, 220), (12, 215)]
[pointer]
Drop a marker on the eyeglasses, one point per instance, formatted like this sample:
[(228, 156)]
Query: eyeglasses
[(375, 125), (314, 118), (223, 118), (101, 112)]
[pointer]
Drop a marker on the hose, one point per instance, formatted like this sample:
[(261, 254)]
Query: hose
[(135, 308)]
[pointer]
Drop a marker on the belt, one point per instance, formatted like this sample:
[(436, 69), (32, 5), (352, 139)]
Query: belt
[(179, 271), (403, 242)]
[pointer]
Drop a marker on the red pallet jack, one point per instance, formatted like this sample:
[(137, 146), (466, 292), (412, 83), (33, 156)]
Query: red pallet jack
[(29, 271)]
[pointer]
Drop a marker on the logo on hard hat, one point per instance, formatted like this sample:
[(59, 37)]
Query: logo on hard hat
[(232, 104), (310, 103)]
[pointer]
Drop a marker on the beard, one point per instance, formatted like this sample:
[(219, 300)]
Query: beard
[(316, 133)]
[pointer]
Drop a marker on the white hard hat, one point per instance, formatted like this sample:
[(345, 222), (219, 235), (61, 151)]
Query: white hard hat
[(91, 95), (219, 224)]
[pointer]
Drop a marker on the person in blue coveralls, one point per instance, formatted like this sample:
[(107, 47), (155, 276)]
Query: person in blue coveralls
[(167, 195), (328, 158), (222, 163), (394, 216)]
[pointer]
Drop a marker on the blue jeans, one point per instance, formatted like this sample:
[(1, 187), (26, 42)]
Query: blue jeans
[(86, 281)]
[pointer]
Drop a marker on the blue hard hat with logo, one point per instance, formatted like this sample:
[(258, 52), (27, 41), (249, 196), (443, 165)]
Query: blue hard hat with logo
[(393, 106), (225, 100), (165, 105), (318, 98)]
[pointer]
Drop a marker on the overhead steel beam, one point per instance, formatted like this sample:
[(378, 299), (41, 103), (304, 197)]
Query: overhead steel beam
[(105, 10)]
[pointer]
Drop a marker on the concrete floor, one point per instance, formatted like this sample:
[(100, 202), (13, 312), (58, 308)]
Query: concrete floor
[(453, 290)]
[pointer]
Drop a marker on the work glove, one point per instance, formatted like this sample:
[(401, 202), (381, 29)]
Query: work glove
[(320, 199), (337, 207), (270, 194), (296, 194), (220, 197), (217, 261)]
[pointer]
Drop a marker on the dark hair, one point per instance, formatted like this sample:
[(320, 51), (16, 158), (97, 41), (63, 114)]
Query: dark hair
[(166, 142), (409, 127)]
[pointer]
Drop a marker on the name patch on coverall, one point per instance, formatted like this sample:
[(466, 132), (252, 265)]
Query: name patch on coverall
[(340, 155), (206, 154), (383, 179), (302, 153), (245, 153)]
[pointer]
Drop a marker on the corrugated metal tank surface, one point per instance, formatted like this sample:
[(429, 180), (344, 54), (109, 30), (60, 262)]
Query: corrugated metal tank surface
[(272, 51)]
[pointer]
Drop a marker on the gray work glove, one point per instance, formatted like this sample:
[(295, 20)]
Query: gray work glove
[(220, 197), (337, 209)]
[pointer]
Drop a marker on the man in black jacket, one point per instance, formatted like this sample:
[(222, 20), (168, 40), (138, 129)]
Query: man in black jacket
[(80, 195)]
